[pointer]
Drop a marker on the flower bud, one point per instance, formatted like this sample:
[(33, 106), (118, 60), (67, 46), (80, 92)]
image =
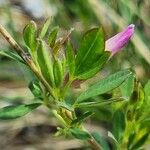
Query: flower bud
[(117, 42)]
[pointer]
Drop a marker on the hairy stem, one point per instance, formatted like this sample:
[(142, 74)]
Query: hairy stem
[(11, 41)]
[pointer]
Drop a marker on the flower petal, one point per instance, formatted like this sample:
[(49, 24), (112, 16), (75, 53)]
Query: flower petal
[(117, 42)]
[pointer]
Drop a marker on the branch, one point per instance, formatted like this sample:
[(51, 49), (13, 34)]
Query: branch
[(10, 40)]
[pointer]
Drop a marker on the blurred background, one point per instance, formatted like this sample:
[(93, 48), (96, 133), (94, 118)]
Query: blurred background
[(35, 131)]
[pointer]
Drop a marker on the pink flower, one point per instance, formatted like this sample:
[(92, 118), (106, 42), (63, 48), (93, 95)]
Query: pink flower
[(117, 42)]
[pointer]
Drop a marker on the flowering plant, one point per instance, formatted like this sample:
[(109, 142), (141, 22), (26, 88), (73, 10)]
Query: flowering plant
[(57, 66)]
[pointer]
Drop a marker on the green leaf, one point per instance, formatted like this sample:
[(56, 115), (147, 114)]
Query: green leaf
[(147, 92), (81, 118), (52, 37), (105, 85), (61, 41), (97, 104), (131, 139), (137, 97), (95, 67), (90, 50), (118, 125), (60, 118), (58, 73), (66, 106), (140, 142), (29, 35), (45, 28), (112, 137), (35, 88), (101, 141), (70, 57), (128, 86), (80, 134), (12, 55), (145, 123), (45, 62), (13, 112)]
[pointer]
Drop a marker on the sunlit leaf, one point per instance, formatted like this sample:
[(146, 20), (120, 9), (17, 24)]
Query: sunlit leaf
[(29, 35), (52, 37), (45, 28), (45, 62)]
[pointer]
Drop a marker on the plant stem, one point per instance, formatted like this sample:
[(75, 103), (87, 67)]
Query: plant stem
[(26, 58), (10, 40)]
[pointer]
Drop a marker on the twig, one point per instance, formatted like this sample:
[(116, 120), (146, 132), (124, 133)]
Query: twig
[(11, 41)]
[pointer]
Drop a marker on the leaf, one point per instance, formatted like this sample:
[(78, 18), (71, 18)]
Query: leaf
[(12, 55), (128, 86), (118, 125), (29, 35), (81, 118), (35, 88), (61, 41), (112, 136), (66, 106), (90, 50), (140, 142), (13, 112), (79, 134), (105, 85), (95, 67), (101, 141), (147, 92), (45, 62), (52, 37), (145, 122), (131, 139), (59, 117), (137, 97), (58, 72), (97, 104), (70, 57), (45, 28)]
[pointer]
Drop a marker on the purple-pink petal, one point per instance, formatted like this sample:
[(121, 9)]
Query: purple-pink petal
[(117, 42)]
